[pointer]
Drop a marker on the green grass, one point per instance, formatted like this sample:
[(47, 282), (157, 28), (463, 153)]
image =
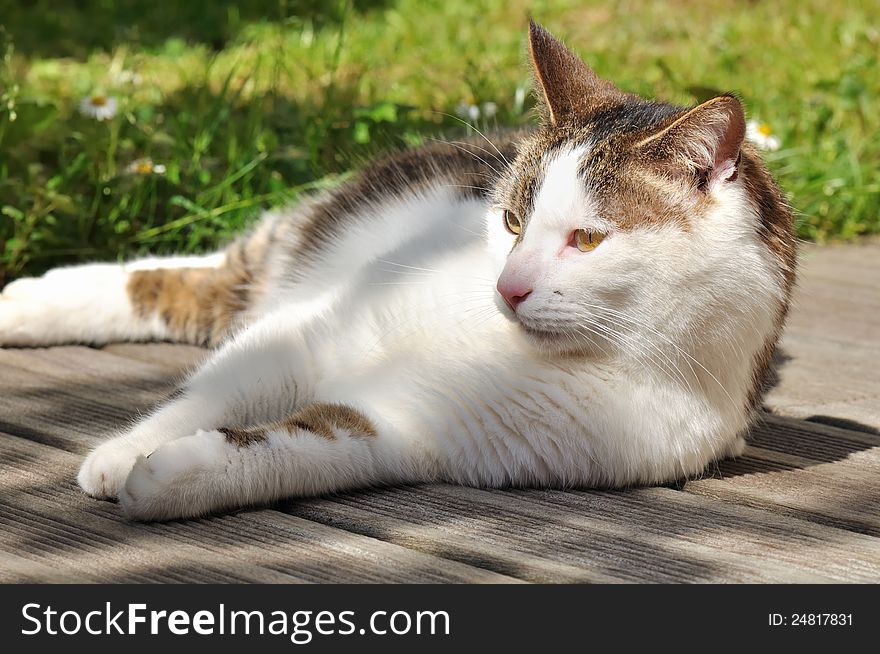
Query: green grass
[(248, 106)]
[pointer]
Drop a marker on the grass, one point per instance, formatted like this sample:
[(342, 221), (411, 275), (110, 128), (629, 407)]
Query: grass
[(249, 105)]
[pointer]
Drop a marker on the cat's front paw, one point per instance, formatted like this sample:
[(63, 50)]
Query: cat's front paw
[(81, 304), (23, 288), (38, 311), (175, 481), (106, 468), (19, 302)]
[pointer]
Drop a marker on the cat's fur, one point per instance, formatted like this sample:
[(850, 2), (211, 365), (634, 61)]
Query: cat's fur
[(361, 339)]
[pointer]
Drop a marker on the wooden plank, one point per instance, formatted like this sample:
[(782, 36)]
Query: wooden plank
[(391, 515), (76, 399), (622, 536), (829, 494), (847, 264), (178, 358), (831, 343), (46, 521), (15, 569), (819, 376), (77, 363), (798, 549), (813, 472), (58, 416), (817, 441)]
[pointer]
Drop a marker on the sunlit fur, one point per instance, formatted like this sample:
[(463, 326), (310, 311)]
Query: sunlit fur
[(632, 363)]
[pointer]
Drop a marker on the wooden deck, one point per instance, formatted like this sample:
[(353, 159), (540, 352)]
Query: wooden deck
[(803, 504)]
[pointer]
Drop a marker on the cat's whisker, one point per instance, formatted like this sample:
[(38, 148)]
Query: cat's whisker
[(474, 145), (485, 138), (689, 358), (478, 158), (433, 271), (629, 322), (399, 283), (644, 348), (480, 298), (664, 364), (470, 186), (647, 347), (403, 265), (430, 276), (588, 333)]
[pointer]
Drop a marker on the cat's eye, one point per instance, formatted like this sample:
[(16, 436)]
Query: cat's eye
[(586, 239), (512, 223)]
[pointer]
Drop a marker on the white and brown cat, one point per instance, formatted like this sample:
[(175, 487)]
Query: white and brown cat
[(592, 303)]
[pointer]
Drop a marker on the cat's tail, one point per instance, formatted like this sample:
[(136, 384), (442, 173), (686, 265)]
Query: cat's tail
[(192, 299)]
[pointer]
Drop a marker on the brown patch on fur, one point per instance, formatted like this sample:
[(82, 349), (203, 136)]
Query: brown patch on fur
[(777, 222), (198, 305), (201, 305), (323, 418), (776, 230), (627, 192), (634, 196), (762, 363), (468, 168), (243, 437)]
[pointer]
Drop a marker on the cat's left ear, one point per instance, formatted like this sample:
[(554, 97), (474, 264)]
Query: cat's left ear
[(568, 89), (706, 141)]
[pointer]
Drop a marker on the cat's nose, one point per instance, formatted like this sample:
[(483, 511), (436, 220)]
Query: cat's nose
[(513, 293)]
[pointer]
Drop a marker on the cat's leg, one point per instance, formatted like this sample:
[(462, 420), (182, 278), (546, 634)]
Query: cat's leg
[(192, 299), (321, 448), (152, 299), (258, 376)]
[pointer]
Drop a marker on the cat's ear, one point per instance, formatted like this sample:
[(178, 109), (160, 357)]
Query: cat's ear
[(706, 141), (566, 86)]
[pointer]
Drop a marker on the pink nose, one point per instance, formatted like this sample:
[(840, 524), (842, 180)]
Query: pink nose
[(513, 293)]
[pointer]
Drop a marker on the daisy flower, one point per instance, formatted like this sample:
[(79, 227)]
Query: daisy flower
[(472, 112), (145, 167), (99, 107), (761, 135), (468, 111)]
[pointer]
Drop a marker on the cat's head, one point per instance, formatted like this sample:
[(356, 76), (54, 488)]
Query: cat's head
[(622, 217)]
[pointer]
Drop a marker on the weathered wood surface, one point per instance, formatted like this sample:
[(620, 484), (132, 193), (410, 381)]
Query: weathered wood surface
[(802, 504)]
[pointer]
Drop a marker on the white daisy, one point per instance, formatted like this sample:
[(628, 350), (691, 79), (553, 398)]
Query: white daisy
[(489, 109), (145, 167), (761, 135), (99, 107), (468, 111)]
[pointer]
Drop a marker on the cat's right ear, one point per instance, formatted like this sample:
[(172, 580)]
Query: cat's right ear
[(566, 86), (704, 141)]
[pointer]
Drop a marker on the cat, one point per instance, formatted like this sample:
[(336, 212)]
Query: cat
[(590, 303)]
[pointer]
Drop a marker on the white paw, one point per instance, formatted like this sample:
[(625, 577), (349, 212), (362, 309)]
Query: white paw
[(105, 469), (83, 304), (23, 289), (33, 310), (175, 481), (18, 309)]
